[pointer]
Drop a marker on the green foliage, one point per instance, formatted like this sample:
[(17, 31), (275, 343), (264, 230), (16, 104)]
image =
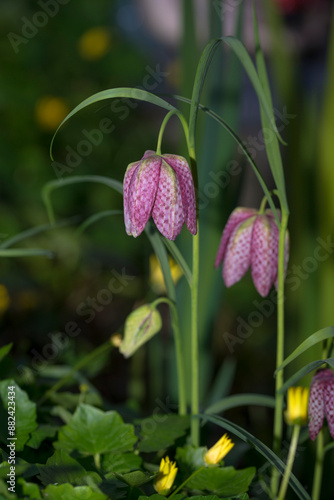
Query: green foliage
[(140, 326), (158, 433), (93, 431), (25, 414)]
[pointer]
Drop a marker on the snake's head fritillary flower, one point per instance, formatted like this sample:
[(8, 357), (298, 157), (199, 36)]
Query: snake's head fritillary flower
[(321, 402), (250, 239), (218, 451), (296, 412), (161, 186), (166, 476)]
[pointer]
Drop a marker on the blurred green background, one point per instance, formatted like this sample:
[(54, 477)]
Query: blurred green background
[(54, 54)]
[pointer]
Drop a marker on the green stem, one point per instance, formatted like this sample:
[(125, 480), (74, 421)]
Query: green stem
[(290, 461), (164, 124), (278, 416), (97, 461), (194, 344), (186, 481), (178, 352), (83, 362), (319, 460)]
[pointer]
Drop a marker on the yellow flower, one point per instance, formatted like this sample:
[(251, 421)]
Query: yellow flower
[(116, 339), (4, 299), (156, 276), (296, 412), (215, 454), (166, 476), (94, 43), (50, 112)]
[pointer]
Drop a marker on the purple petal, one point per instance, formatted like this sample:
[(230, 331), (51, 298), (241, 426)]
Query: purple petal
[(168, 213), (130, 171), (316, 407), (263, 262), (238, 252), (183, 172), (142, 192), (237, 216), (329, 401)]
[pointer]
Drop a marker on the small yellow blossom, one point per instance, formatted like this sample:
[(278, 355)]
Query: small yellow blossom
[(296, 412), (218, 451), (50, 111), (116, 339), (4, 299), (156, 276), (166, 476), (94, 43), (83, 388)]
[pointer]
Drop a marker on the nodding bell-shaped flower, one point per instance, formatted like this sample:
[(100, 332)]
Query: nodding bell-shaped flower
[(250, 239), (321, 402), (166, 477), (161, 186)]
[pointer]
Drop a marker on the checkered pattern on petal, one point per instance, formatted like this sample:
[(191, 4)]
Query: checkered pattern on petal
[(329, 400), (183, 172), (168, 213), (238, 252), (316, 406), (237, 216), (263, 262), (142, 192), (130, 171)]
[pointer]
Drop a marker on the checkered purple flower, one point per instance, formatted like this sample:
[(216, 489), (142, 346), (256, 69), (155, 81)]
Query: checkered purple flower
[(321, 402), (161, 186), (250, 239)]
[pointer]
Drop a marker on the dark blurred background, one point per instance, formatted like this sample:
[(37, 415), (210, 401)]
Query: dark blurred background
[(54, 54)]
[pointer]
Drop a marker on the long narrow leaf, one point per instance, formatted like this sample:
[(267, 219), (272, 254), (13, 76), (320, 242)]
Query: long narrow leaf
[(305, 371), (96, 217), (244, 150), (271, 142), (177, 255), (51, 186), (26, 252), (241, 400), (123, 92), (28, 233), (266, 452), (315, 338), (161, 253), (202, 69)]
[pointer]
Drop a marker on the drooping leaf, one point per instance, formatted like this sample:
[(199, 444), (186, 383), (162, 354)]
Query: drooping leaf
[(304, 371), (159, 433), (269, 455), (25, 414), (315, 338), (140, 326), (93, 431), (241, 400)]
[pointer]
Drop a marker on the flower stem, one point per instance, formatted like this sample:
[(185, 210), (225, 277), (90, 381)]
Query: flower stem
[(194, 344), (290, 461), (319, 460), (164, 124), (278, 417), (186, 481), (178, 353)]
